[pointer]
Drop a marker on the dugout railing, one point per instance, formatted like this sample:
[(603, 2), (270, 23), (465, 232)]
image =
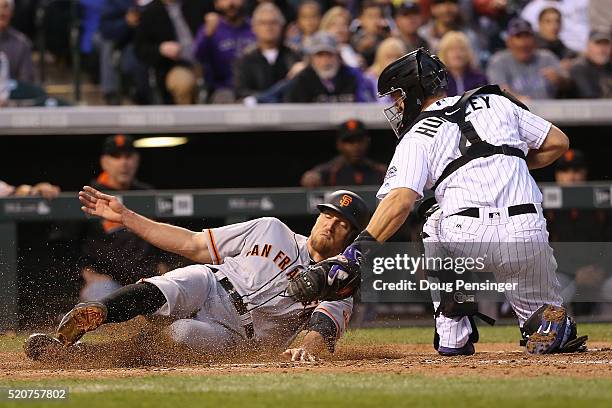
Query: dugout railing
[(237, 118)]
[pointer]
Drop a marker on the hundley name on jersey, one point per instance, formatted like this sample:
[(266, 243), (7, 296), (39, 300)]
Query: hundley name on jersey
[(280, 259), (429, 127)]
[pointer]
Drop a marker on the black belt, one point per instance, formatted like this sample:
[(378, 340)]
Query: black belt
[(512, 211), (244, 314)]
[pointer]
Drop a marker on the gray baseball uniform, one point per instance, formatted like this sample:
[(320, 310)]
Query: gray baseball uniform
[(256, 257)]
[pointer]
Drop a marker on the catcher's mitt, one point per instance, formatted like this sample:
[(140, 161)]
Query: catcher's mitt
[(315, 283)]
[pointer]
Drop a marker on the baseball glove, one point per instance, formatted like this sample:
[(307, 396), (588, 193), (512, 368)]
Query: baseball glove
[(315, 282)]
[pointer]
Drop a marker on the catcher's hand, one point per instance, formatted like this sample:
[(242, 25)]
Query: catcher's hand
[(101, 205), (315, 282)]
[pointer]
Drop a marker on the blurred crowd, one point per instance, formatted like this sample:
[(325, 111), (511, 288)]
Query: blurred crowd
[(302, 51)]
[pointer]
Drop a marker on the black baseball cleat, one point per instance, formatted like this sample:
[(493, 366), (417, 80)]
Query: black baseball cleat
[(39, 345), (83, 318)]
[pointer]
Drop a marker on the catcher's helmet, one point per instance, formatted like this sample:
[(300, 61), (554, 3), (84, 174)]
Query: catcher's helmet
[(350, 205), (416, 75)]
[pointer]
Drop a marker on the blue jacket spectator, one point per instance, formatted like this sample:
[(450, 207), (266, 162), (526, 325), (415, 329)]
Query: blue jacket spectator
[(90, 21)]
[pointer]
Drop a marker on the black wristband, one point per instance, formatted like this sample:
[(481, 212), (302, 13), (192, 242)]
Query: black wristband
[(366, 243)]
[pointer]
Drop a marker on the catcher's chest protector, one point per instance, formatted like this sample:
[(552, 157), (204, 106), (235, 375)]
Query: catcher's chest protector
[(478, 147)]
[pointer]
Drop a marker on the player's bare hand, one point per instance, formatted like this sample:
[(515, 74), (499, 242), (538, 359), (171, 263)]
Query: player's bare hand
[(101, 205), (299, 354)]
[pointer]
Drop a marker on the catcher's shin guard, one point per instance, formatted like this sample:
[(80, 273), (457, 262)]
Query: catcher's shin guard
[(556, 333), (83, 318)]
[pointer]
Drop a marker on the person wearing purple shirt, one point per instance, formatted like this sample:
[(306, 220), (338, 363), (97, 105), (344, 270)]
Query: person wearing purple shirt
[(219, 42), (457, 54)]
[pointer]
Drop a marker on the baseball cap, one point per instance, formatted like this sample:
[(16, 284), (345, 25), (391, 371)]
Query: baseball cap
[(408, 7), (117, 144), (350, 205), (518, 26), (320, 42), (597, 36), (572, 159), (352, 129)]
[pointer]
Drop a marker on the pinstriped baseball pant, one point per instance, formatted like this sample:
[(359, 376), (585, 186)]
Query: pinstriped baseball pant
[(515, 249)]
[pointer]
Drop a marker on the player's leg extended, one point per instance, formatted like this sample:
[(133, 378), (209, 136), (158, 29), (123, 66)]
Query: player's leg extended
[(121, 305), (179, 293)]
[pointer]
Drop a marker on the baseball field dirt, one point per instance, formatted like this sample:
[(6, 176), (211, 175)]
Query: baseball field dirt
[(372, 367)]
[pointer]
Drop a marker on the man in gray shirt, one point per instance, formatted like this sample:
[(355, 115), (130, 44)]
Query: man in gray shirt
[(15, 45), (526, 71)]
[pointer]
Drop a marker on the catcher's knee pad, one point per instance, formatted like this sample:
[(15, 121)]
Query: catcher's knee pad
[(550, 330), (454, 303)]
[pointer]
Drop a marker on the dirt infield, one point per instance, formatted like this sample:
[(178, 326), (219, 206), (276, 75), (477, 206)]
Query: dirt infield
[(109, 360)]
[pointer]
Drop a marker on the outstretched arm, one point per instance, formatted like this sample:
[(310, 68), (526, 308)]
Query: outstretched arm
[(181, 241), (391, 213)]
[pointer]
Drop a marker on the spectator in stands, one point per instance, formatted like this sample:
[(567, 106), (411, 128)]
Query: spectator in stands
[(372, 30), (164, 41), (526, 71), (571, 168), (326, 78), (108, 248), (336, 21), (89, 41), (457, 54), (493, 17), (549, 26), (222, 38), (118, 22), (44, 189), (268, 61), (592, 73), (600, 15), (388, 51), (287, 7), (575, 17), (15, 45), (445, 17), (351, 167), (407, 23), (306, 24)]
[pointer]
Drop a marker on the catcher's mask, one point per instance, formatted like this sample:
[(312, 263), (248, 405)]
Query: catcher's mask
[(409, 80)]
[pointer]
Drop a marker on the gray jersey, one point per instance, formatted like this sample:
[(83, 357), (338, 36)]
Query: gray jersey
[(257, 256)]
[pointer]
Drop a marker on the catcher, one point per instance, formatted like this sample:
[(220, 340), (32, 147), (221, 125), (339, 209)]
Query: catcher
[(238, 295)]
